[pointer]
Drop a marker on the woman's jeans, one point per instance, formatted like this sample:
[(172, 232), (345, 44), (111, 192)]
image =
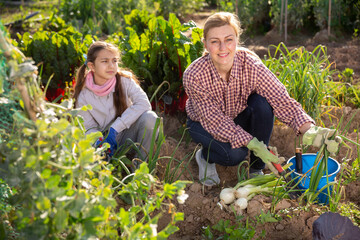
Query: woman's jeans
[(257, 119), (140, 131)]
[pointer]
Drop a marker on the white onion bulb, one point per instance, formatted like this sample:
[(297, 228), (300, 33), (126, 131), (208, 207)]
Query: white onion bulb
[(227, 195)]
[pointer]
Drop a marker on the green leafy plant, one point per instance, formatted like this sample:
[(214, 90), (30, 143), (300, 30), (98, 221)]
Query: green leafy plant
[(225, 230), (352, 171), (313, 14), (265, 217), (146, 194), (351, 210), (347, 75), (254, 15), (345, 93), (87, 16), (320, 170), (306, 76), (5, 210), (176, 167), (65, 189), (107, 17), (161, 53), (181, 7), (59, 54)]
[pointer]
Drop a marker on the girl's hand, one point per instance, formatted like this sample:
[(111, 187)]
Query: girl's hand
[(111, 139)]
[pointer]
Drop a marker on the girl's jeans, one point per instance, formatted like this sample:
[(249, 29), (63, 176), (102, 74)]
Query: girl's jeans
[(143, 125), (257, 119)]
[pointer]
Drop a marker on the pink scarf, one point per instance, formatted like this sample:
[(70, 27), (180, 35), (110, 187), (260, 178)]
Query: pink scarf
[(102, 90)]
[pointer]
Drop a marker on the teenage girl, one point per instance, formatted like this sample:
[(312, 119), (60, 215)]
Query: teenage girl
[(120, 107)]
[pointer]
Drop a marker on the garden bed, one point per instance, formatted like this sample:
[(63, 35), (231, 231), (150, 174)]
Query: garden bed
[(202, 210), (292, 221)]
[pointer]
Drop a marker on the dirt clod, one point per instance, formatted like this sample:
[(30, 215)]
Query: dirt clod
[(283, 204)]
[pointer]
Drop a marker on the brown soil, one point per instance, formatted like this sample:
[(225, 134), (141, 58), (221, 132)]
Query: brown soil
[(201, 209)]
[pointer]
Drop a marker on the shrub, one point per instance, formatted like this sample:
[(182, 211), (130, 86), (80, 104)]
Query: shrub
[(306, 75), (160, 52), (65, 189), (57, 53)]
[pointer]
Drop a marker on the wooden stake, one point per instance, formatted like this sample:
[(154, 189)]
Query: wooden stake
[(286, 6), (236, 7), (26, 99), (329, 18), (93, 11), (281, 16)]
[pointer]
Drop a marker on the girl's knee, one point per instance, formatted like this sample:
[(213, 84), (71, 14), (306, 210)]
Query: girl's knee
[(148, 118)]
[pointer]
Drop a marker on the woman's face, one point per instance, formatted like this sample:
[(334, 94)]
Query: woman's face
[(105, 66), (221, 43)]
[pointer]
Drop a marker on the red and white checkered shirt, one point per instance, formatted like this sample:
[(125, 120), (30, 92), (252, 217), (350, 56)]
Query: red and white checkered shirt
[(215, 103)]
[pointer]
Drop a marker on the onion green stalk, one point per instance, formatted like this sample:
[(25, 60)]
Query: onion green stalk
[(256, 181), (248, 191)]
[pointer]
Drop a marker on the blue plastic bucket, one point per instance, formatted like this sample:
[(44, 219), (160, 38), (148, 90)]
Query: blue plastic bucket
[(308, 160)]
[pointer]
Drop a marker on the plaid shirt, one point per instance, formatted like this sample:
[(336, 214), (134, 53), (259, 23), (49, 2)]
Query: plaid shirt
[(215, 103)]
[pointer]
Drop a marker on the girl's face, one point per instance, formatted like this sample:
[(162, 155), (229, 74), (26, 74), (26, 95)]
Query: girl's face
[(105, 66), (221, 44)]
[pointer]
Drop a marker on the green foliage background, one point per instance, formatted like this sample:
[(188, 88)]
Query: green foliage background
[(157, 50)]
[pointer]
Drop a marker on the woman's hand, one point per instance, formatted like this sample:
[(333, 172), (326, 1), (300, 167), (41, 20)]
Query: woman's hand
[(260, 150), (317, 136)]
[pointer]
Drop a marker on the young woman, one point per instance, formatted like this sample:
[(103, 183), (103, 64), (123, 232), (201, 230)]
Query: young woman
[(232, 101), (120, 108)]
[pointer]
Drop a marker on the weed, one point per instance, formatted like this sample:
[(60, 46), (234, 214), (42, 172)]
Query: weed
[(266, 217), (352, 211), (226, 230)]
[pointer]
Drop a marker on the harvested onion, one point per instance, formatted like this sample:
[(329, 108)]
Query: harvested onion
[(227, 195), (240, 204)]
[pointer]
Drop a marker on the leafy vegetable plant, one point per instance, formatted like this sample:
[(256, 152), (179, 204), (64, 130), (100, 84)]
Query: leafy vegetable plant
[(59, 54), (306, 76), (161, 52), (224, 229), (65, 189)]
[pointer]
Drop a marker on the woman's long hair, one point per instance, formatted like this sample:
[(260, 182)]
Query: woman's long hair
[(119, 98)]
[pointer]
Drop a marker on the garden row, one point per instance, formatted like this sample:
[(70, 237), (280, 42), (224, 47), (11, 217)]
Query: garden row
[(60, 185), (158, 52), (257, 16)]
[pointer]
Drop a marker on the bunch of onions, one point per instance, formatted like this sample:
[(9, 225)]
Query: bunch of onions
[(239, 196)]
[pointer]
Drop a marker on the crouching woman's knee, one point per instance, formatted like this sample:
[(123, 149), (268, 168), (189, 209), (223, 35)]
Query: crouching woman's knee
[(236, 156)]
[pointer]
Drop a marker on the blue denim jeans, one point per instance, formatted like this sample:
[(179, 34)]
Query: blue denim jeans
[(257, 119)]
